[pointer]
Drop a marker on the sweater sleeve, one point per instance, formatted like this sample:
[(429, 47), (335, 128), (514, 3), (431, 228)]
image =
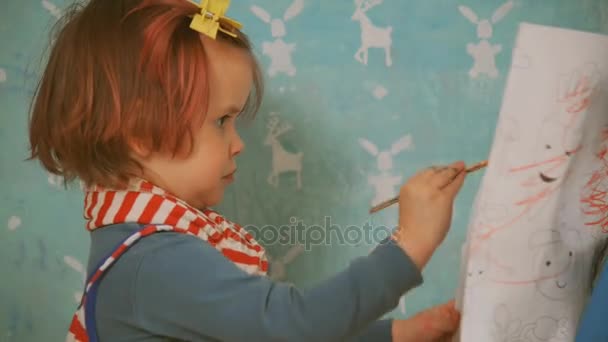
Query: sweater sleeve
[(592, 325), (190, 291)]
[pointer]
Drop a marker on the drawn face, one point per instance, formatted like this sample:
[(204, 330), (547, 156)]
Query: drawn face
[(476, 272), (556, 262), (555, 145), (552, 156)]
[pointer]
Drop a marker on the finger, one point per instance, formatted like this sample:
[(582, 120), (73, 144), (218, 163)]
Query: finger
[(450, 318), (449, 310), (427, 173), (452, 188), (446, 175), (443, 177)]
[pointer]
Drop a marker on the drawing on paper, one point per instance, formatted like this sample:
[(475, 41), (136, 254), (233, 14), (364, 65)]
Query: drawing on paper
[(544, 329), (282, 160), (386, 183), (528, 245), (279, 51), (559, 140), (372, 36), (484, 53), (556, 269), (557, 259)]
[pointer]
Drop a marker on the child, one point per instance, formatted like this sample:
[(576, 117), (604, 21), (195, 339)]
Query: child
[(139, 101)]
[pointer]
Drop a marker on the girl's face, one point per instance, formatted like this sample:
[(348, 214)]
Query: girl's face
[(201, 178)]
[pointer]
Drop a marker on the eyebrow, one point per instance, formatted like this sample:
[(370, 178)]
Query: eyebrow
[(232, 109)]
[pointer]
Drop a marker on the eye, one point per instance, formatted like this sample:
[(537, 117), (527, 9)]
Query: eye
[(220, 122), (548, 263), (548, 147), (570, 253)]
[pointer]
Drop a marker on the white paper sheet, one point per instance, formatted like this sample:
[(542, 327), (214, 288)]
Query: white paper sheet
[(539, 213)]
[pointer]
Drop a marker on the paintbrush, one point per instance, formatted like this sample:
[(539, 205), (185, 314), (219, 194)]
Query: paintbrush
[(392, 201)]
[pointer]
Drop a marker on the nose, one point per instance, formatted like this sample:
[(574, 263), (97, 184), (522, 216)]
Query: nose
[(237, 145)]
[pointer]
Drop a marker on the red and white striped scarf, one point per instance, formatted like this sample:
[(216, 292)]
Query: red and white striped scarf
[(144, 203)]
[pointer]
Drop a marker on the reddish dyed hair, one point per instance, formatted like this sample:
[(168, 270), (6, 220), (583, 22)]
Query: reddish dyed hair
[(122, 72)]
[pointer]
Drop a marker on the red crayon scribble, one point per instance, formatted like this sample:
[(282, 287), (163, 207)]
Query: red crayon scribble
[(578, 99), (594, 199)]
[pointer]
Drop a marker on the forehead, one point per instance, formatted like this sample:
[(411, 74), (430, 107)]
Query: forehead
[(230, 73)]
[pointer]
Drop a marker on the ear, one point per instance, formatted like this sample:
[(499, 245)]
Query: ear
[(261, 13), (405, 143), (502, 11), (139, 148), (74, 264), (296, 7), (544, 237), (368, 146), (571, 236), (502, 317), (468, 13)]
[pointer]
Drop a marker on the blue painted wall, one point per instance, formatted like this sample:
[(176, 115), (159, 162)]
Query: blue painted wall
[(330, 99)]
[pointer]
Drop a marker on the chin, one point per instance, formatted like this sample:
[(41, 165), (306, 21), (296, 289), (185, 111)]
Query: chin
[(212, 200)]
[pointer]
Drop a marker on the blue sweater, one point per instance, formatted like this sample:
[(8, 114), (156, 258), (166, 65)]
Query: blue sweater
[(171, 286), (592, 325)]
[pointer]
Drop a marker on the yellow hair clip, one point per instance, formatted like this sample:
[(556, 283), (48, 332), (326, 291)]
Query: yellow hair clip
[(211, 19)]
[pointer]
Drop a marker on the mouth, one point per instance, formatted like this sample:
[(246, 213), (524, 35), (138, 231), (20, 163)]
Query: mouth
[(229, 176), (546, 178), (561, 285)]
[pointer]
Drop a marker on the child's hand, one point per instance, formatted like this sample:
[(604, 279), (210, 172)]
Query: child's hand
[(425, 210), (437, 324)]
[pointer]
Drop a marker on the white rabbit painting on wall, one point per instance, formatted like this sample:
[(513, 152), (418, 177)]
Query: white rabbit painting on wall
[(484, 53), (279, 51), (385, 182), (371, 35)]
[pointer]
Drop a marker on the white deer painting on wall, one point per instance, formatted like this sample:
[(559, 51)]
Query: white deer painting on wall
[(279, 51), (372, 36), (484, 53), (282, 161), (385, 183)]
